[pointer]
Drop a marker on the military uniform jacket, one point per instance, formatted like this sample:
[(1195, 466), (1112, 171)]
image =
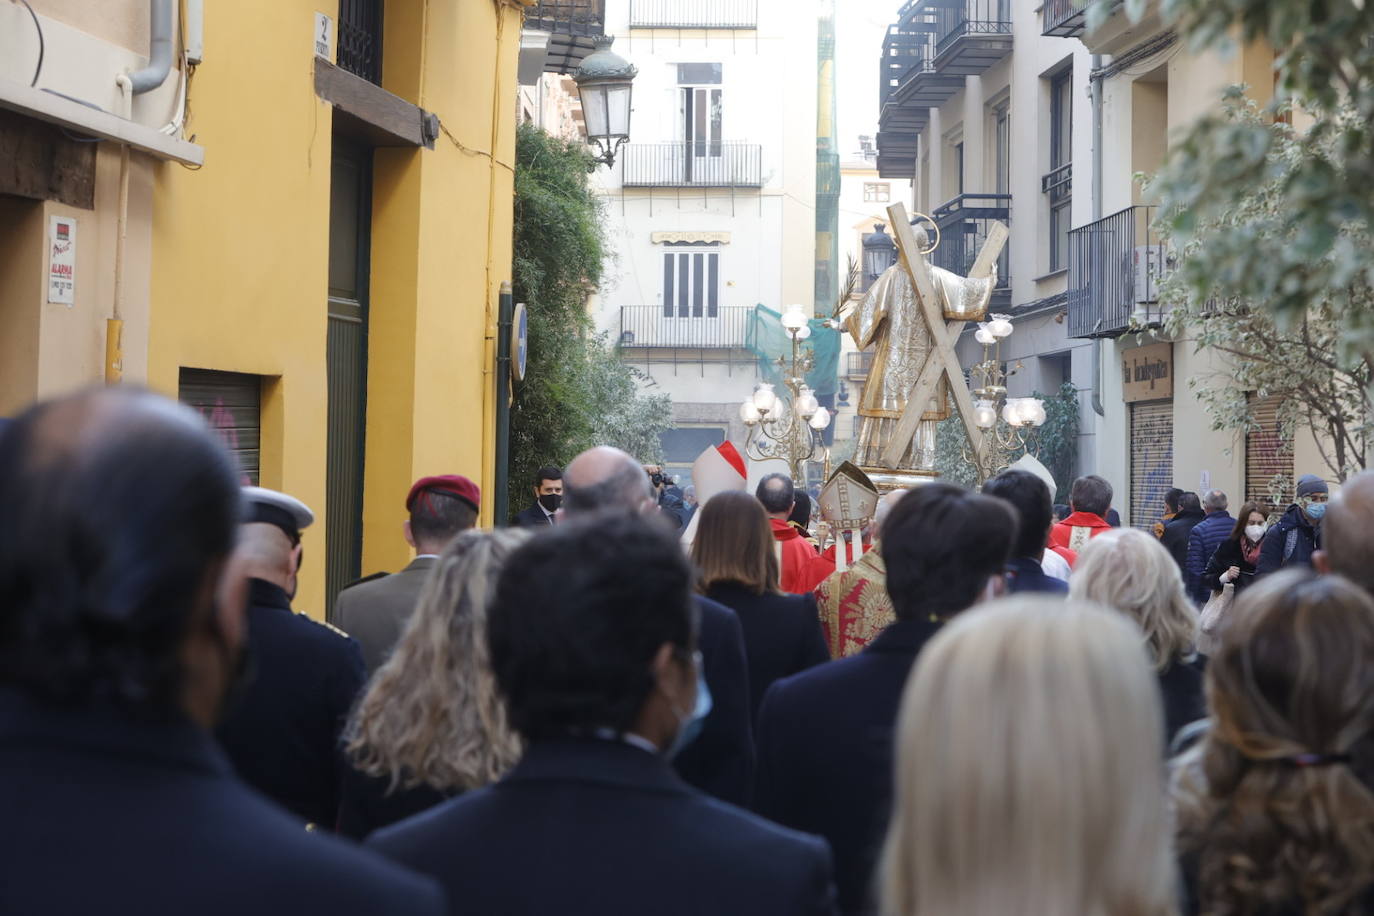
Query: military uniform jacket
[(282, 735), (375, 612)]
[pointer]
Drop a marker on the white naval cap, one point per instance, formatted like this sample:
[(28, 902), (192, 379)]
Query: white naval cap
[(273, 508)]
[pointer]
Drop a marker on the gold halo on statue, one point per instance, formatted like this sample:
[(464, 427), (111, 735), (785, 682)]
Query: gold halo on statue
[(934, 225)]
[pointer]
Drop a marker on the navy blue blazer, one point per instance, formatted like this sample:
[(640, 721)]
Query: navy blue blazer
[(782, 635), (720, 761), (1026, 575), (825, 753), (533, 517), (106, 814), (604, 827)]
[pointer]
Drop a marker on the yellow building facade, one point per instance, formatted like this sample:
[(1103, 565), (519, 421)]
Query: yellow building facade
[(315, 258)]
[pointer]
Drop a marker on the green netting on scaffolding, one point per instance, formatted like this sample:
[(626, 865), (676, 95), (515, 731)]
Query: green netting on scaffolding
[(767, 340)]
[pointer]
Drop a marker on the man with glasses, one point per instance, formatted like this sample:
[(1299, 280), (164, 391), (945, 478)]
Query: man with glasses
[(1294, 538)]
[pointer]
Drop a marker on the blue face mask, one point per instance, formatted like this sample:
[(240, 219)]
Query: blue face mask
[(1315, 511), (692, 724)]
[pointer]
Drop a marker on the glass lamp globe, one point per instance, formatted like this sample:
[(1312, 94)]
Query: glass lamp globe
[(748, 412), (803, 332), (794, 318), (1000, 326), (764, 399), (820, 419), (1035, 411), (984, 336), (806, 403), (984, 414)]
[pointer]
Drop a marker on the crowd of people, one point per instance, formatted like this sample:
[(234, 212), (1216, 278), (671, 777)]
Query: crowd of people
[(987, 707)]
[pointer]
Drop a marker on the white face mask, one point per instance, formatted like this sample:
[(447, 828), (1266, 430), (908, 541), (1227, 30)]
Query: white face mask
[(1255, 532)]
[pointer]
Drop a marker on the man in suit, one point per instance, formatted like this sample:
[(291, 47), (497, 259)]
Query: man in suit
[(121, 637), (593, 645), (825, 735), (1180, 529), (721, 762), (548, 496), (1030, 498), (375, 610), (282, 731)]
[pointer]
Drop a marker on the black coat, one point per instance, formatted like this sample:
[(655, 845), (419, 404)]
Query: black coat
[(1228, 554), (1184, 700), (1175, 537), (533, 517), (106, 814), (1027, 575), (1293, 526), (282, 733), (591, 826), (369, 803), (825, 753), (720, 761), (782, 635)]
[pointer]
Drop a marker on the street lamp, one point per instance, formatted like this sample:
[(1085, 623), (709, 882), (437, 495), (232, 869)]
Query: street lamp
[(879, 254), (604, 82), (791, 435), (1022, 417)]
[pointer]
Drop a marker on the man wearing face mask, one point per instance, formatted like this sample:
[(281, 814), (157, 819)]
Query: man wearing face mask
[(548, 496), (824, 736), (1297, 535), (123, 622), (282, 732), (596, 659)]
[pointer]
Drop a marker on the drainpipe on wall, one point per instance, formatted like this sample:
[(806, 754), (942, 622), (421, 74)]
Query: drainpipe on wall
[(504, 320), (1095, 81), (160, 49)]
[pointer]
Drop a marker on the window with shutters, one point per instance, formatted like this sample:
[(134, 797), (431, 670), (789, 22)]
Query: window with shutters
[(231, 403), (1268, 456), (1152, 460), (691, 283)]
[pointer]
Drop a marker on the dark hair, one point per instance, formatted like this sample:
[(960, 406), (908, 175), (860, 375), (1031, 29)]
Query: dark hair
[(572, 648), (440, 517), (801, 511), (776, 492), (1091, 494), (548, 472), (1171, 496), (1243, 517), (117, 504), (1031, 499), (1189, 502), (941, 544)]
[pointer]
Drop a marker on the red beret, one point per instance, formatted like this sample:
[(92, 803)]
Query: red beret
[(449, 484)]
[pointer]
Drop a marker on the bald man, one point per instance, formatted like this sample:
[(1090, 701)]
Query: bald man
[(1348, 533), (282, 733), (721, 760)]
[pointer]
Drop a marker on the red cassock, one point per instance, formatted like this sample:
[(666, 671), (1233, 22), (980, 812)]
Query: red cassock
[(802, 568), (1075, 531)]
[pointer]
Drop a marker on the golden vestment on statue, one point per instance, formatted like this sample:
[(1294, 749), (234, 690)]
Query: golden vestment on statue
[(854, 605), (890, 318)]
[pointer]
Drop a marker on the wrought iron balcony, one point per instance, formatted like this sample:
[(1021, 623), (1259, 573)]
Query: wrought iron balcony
[(360, 39), (692, 165), (858, 365), (657, 327), (573, 25), (1115, 266), (970, 35), (1062, 18), (964, 223), (694, 14)]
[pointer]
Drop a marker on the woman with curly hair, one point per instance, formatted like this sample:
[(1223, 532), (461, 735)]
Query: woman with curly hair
[(1274, 806), (430, 724)]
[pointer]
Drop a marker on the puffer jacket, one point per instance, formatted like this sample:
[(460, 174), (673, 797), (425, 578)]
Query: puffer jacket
[(1290, 542), (1204, 540)]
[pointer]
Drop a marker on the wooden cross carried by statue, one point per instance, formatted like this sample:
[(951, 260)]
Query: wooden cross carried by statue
[(913, 316)]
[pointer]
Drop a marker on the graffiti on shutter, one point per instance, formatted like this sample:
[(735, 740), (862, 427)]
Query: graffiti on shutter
[(231, 403), (1267, 456), (1152, 460)]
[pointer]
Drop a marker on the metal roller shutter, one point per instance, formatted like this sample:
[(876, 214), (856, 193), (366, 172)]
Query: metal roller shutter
[(1152, 460), (1267, 455), (231, 402)]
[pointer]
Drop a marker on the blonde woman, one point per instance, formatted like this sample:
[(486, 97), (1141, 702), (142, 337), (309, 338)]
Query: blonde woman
[(430, 724), (1132, 572), (1028, 777), (1275, 808)]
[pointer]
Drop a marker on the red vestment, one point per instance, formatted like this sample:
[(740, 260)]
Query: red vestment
[(802, 569), (854, 605), (1075, 531)]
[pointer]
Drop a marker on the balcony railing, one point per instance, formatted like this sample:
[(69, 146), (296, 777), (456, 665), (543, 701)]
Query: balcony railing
[(956, 19), (692, 165), (574, 26), (858, 365), (1115, 266), (648, 326), (360, 38), (907, 51), (964, 223), (694, 14), (1062, 18)]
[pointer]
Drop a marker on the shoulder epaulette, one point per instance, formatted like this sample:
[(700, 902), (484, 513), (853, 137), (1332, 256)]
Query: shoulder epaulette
[(328, 625), (374, 576)]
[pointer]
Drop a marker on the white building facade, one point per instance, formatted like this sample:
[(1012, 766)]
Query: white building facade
[(712, 202)]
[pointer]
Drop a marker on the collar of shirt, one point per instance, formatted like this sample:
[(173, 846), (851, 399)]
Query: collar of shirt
[(426, 556), (630, 738)]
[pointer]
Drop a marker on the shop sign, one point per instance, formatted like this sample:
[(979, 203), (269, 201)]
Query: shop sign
[(62, 260), (1147, 373)]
